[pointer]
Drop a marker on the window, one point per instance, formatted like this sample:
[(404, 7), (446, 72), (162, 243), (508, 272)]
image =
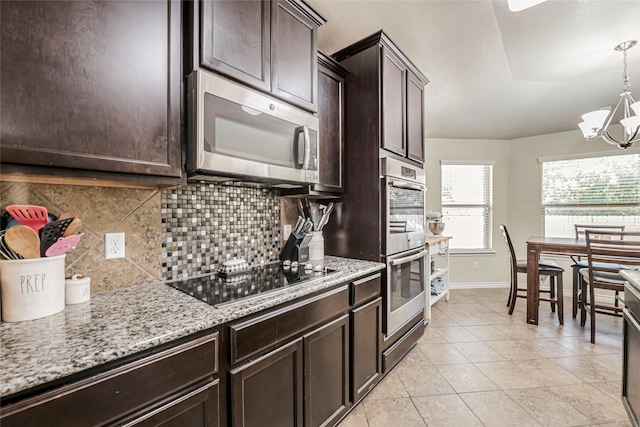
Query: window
[(594, 190), (467, 204)]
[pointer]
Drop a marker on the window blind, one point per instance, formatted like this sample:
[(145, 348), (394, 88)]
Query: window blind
[(594, 190), (467, 203)]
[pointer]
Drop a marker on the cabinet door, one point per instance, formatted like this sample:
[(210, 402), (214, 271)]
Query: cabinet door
[(198, 408), (268, 391), (331, 117), (326, 373), (415, 114), (235, 38), (366, 324), (91, 85), (393, 103), (294, 69)]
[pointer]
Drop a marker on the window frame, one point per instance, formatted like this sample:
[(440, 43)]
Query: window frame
[(488, 206), (607, 205)]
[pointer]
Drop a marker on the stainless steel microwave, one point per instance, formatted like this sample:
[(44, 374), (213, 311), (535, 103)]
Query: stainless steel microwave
[(234, 131)]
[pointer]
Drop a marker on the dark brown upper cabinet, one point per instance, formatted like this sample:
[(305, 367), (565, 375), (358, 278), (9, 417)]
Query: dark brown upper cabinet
[(269, 45), (91, 87), (381, 74)]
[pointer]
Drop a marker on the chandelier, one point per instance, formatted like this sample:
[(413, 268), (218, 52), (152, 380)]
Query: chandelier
[(596, 123)]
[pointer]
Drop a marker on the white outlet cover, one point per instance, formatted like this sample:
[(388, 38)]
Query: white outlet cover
[(114, 245)]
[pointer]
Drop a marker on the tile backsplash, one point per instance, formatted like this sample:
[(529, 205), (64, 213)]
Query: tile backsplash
[(169, 234), (205, 224)]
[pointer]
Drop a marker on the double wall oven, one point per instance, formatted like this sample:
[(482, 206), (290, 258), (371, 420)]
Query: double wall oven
[(404, 242)]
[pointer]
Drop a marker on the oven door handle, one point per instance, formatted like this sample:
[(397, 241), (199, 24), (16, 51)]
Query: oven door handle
[(410, 186), (407, 259)]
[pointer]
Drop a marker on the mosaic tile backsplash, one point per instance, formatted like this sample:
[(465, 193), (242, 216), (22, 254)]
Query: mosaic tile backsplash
[(205, 224), (169, 234)]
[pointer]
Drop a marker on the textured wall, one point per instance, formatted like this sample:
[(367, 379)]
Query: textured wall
[(172, 233)]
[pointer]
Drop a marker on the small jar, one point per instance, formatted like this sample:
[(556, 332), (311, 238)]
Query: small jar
[(316, 248), (77, 289)]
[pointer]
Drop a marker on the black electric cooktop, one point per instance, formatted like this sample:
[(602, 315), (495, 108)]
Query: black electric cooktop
[(219, 290)]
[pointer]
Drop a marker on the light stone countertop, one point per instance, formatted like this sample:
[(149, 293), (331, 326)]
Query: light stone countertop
[(121, 323), (633, 277)]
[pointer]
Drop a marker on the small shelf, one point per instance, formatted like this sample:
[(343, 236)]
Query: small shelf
[(438, 273), (436, 298), (438, 248)]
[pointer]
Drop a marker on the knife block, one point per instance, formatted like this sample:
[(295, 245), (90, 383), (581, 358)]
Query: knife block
[(296, 248)]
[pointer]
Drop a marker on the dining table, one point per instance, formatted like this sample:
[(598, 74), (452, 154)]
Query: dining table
[(536, 245)]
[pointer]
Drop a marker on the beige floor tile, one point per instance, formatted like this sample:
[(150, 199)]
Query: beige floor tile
[(423, 381), (443, 354), (612, 388), (392, 412), (466, 378), (610, 361), (356, 418), (445, 410), (415, 357), (546, 408), (605, 344), (514, 349), (441, 319), (478, 352), (598, 406), (390, 387), (496, 409), (518, 330), (587, 368), (456, 334), (432, 336), (526, 374), (486, 332)]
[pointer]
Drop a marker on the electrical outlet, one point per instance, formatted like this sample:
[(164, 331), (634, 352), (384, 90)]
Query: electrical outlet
[(287, 231), (476, 265), (114, 245)]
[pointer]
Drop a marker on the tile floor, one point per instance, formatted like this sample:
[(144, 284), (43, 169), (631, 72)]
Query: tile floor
[(478, 366)]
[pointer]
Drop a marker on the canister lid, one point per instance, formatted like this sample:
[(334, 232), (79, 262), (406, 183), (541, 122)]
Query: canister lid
[(78, 280)]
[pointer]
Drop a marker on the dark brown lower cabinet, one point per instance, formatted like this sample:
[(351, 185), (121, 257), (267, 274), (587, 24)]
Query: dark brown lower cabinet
[(172, 387), (326, 373), (198, 408), (268, 391), (630, 365), (366, 367)]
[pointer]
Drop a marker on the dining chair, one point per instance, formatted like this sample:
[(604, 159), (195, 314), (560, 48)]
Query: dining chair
[(580, 262), (606, 252), (546, 267)]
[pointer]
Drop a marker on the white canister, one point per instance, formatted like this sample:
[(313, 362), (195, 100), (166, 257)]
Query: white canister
[(316, 248), (32, 288), (77, 289)]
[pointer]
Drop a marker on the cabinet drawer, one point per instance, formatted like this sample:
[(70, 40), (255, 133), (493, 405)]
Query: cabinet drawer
[(259, 333), (365, 289), (109, 396)]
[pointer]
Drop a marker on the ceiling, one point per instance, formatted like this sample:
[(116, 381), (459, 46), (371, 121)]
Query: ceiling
[(496, 74)]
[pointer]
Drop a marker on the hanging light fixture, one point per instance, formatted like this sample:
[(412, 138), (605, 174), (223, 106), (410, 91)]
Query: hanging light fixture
[(596, 123)]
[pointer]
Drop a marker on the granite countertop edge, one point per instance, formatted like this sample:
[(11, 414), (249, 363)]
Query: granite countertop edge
[(632, 277), (121, 323)]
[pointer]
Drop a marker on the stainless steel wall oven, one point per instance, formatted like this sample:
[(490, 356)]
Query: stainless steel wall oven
[(405, 254)]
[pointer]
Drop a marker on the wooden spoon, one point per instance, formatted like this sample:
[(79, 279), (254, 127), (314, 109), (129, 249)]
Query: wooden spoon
[(23, 240), (73, 228)]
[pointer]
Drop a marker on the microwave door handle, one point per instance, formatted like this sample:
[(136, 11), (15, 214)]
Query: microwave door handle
[(299, 144), (409, 258), (307, 147)]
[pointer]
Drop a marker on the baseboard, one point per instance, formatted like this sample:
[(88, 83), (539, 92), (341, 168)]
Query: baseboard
[(478, 285)]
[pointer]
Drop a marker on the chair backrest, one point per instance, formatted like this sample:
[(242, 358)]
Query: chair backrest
[(512, 254), (580, 228), (610, 251)]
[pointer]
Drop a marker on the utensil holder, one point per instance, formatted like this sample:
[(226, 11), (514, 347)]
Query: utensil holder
[(32, 288), (316, 248)]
